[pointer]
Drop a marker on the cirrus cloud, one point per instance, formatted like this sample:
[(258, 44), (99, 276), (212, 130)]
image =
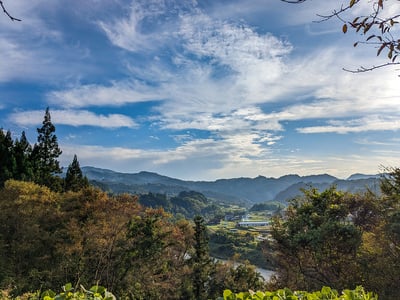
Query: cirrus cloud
[(73, 118)]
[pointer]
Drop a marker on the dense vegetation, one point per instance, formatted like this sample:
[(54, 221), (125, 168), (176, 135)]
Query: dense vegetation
[(55, 230), (286, 294), (187, 204), (49, 238), (39, 164), (341, 240)]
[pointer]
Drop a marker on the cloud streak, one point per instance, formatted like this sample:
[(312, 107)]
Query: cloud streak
[(73, 118)]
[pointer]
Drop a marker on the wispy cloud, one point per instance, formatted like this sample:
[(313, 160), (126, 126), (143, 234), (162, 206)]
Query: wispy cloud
[(117, 94), (73, 118), (210, 159), (370, 123), (148, 26)]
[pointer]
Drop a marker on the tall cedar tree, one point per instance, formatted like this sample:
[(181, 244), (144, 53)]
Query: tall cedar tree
[(45, 154), (74, 179), (22, 154), (7, 160), (203, 265)]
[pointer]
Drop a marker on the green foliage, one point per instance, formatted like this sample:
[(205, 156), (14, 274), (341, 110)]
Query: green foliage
[(201, 262), (286, 294), (7, 159), (22, 153), (339, 239), (45, 153), (74, 179), (96, 292), (18, 160), (225, 244), (317, 241), (189, 204), (241, 277), (267, 206)]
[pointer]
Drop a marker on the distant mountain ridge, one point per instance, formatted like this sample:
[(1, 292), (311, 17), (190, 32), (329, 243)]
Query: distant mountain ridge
[(245, 191)]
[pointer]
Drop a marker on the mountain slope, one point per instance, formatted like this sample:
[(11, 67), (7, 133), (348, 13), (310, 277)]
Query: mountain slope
[(244, 191)]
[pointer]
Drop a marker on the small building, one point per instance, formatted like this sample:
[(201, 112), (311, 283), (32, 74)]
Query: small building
[(253, 223)]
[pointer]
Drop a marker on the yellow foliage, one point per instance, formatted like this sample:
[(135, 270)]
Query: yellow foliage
[(28, 191)]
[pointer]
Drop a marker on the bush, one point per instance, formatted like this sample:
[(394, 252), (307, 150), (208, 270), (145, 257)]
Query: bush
[(286, 294), (94, 293)]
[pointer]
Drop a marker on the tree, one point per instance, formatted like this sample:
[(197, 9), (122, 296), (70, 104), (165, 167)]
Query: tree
[(317, 242), (382, 247), (29, 233), (7, 159), (376, 28), (201, 262), (45, 153), (22, 153), (74, 179)]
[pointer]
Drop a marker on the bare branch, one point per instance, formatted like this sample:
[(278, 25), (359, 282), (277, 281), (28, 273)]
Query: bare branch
[(364, 69), (7, 13), (293, 1), (376, 30)]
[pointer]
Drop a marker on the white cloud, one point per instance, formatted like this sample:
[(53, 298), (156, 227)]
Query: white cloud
[(18, 62), (73, 118), (369, 123), (208, 159), (136, 33), (117, 94)]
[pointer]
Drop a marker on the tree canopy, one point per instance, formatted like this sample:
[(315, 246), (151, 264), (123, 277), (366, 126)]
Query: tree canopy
[(340, 239), (46, 152)]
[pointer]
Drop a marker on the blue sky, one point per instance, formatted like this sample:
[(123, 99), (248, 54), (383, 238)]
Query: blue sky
[(199, 89)]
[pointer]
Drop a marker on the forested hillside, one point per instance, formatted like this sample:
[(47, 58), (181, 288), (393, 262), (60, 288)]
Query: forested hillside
[(55, 230), (242, 191)]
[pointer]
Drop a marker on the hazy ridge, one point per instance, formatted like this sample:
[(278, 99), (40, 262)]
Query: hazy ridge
[(241, 190)]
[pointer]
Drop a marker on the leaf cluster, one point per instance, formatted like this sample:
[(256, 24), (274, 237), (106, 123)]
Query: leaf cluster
[(286, 294)]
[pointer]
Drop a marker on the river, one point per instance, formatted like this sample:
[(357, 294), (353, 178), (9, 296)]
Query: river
[(266, 274)]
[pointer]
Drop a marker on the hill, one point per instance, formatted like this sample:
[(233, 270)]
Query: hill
[(243, 191)]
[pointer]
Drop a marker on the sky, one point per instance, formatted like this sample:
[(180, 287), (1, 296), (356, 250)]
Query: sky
[(199, 90)]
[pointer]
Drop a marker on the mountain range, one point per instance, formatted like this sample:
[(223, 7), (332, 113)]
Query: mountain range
[(243, 191)]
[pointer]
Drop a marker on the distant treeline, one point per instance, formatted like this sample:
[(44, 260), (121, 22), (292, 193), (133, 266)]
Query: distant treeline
[(38, 163)]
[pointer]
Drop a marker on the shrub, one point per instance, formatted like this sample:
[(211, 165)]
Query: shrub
[(286, 294)]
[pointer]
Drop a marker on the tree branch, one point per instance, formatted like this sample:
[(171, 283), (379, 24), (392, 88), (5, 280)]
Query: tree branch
[(364, 69), (7, 13), (293, 1)]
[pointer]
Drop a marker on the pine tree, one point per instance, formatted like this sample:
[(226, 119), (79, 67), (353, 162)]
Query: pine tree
[(22, 153), (202, 263), (45, 154), (7, 159), (74, 179)]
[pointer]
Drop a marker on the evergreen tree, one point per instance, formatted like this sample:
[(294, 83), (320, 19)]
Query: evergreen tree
[(74, 179), (45, 154), (7, 159), (202, 263), (22, 153)]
